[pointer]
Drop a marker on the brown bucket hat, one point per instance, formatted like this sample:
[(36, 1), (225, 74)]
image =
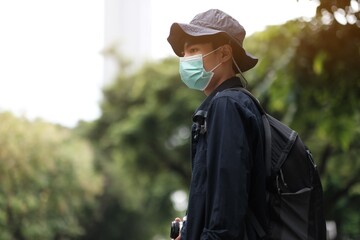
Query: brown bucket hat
[(213, 22)]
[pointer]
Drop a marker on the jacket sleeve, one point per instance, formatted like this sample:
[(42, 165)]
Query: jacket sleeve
[(228, 169)]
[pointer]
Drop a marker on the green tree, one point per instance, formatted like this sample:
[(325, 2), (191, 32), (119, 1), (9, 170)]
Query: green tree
[(142, 137), (47, 179)]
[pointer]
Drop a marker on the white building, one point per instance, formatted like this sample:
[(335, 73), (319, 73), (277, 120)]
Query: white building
[(128, 29)]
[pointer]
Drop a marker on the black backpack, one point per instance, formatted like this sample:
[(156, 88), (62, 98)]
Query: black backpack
[(295, 195)]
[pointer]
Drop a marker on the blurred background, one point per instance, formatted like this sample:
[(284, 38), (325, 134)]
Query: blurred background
[(95, 121)]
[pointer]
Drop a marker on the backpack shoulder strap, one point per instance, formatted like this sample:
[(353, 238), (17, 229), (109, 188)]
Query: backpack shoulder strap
[(255, 223), (267, 130)]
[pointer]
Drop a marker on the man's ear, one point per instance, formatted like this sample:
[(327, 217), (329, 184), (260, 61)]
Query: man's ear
[(227, 52)]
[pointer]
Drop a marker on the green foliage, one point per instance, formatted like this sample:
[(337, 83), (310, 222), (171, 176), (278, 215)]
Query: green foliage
[(141, 119), (143, 141), (46, 180)]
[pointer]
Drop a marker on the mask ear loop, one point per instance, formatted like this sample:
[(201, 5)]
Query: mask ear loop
[(243, 80), (205, 55)]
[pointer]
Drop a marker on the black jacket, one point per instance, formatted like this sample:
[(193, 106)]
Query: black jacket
[(228, 168)]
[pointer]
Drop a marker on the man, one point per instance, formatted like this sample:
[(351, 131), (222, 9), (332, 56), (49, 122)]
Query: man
[(228, 168)]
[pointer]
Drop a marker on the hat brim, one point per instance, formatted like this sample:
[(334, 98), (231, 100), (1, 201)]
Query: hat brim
[(179, 32)]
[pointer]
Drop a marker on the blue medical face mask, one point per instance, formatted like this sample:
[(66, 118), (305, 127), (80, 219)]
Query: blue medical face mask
[(192, 71)]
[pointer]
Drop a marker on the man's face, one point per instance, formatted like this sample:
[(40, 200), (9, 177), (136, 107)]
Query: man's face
[(209, 61)]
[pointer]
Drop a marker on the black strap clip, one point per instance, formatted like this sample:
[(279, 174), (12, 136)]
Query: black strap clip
[(199, 121)]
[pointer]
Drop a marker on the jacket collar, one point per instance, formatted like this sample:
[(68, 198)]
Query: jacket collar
[(230, 83)]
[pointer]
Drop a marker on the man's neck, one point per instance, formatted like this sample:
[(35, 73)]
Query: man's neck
[(217, 83)]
